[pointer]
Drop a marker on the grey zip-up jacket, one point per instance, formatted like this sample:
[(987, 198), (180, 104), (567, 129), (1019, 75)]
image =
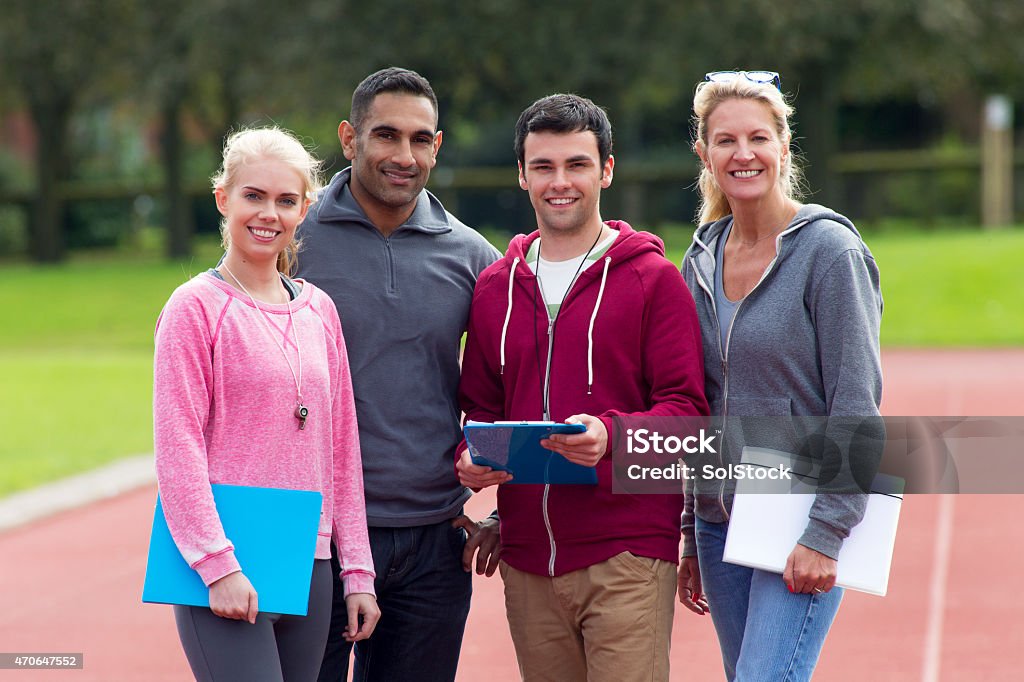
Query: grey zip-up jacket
[(802, 343), (404, 305)]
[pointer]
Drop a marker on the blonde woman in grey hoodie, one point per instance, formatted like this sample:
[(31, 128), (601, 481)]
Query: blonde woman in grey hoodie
[(789, 303)]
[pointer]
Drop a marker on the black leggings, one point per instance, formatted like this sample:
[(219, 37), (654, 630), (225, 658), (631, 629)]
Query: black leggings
[(276, 648)]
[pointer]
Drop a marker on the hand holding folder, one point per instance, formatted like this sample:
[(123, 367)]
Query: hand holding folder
[(233, 596), (274, 533), (768, 517)]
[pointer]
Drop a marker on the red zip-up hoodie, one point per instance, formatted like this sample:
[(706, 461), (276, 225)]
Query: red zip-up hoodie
[(642, 356)]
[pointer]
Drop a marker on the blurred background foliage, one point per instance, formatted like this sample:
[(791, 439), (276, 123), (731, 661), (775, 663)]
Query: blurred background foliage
[(112, 112)]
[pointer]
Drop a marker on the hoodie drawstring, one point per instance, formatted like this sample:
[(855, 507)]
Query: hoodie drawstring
[(508, 312), (590, 331)]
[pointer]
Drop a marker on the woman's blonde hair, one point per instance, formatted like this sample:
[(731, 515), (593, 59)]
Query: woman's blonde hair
[(250, 144), (713, 202)]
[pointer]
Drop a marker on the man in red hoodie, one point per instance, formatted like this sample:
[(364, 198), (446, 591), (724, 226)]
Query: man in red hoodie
[(582, 321)]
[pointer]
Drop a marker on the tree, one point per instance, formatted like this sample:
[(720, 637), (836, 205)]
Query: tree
[(56, 53), (209, 60)]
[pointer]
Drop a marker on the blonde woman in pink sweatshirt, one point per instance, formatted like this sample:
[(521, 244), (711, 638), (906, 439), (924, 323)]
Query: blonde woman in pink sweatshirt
[(252, 387)]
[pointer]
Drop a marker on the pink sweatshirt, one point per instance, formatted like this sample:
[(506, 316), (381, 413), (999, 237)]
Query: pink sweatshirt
[(223, 412)]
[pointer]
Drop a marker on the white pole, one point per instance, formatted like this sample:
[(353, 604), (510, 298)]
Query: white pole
[(997, 162)]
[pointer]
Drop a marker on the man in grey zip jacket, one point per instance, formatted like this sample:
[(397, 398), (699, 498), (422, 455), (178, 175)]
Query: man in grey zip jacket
[(401, 270), (824, 363)]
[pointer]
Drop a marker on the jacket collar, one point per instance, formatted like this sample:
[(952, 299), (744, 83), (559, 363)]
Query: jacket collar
[(705, 238), (337, 204)]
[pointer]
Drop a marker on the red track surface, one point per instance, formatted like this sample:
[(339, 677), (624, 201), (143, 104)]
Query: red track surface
[(71, 583)]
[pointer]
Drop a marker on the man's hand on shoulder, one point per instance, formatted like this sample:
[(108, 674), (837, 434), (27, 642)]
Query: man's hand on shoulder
[(484, 540), (585, 448)]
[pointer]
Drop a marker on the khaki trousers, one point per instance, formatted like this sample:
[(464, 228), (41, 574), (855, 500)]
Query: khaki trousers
[(608, 622)]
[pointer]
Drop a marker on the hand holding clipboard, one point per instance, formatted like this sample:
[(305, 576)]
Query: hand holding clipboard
[(513, 453)]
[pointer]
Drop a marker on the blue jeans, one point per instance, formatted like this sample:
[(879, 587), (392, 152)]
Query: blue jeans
[(423, 593), (765, 631)]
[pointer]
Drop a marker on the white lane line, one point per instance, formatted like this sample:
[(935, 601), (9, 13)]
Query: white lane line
[(932, 664), (108, 481)]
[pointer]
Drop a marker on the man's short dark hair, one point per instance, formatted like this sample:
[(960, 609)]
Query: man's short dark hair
[(389, 80), (563, 113)]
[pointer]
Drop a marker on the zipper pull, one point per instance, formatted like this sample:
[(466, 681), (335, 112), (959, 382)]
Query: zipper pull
[(551, 326)]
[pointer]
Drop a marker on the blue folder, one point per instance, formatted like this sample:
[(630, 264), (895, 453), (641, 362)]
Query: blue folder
[(274, 532), (515, 447)]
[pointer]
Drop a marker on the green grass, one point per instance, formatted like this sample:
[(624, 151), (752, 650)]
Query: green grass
[(70, 412), (77, 339), (952, 288), (76, 358), (88, 305)]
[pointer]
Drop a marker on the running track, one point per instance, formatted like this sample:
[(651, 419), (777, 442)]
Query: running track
[(71, 583)]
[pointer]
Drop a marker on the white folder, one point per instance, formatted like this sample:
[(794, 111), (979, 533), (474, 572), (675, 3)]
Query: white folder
[(769, 516)]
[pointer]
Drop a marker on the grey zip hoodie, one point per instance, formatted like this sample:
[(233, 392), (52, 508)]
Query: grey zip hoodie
[(802, 343), (404, 304)]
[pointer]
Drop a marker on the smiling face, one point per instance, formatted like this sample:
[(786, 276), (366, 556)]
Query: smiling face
[(392, 153), (744, 151), (564, 175), (262, 208)]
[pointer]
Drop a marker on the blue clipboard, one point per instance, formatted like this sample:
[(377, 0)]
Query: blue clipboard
[(515, 447), (274, 532)]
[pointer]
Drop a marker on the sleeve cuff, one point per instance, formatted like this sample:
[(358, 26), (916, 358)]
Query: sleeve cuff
[(689, 538), (823, 538), (607, 421), (215, 566), (358, 582)]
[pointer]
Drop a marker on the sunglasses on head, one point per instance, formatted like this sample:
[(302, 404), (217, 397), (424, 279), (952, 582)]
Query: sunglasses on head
[(752, 76)]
